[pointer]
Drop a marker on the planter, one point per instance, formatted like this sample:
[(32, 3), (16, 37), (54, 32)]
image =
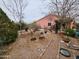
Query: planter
[(66, 39)]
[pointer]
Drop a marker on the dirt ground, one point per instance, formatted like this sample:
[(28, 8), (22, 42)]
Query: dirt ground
[(24, 48), (47, 48)]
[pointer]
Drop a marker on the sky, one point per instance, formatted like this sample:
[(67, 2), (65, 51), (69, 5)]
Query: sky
[(35, 10)]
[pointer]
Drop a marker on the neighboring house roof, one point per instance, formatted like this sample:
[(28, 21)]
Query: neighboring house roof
[(43, 22), (50, 15)]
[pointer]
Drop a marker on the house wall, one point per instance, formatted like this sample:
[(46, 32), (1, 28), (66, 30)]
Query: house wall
[(43, 23), (71, 25)]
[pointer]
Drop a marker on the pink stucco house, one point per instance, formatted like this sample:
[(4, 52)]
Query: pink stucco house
[(46, 21)]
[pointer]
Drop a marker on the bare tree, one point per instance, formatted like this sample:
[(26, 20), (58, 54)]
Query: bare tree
[(16, 8), (65, 8)]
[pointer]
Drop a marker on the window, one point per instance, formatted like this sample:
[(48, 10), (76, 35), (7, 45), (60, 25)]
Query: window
[(49, 24)]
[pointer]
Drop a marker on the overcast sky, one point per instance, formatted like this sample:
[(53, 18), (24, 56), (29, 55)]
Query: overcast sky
[(35, 10)]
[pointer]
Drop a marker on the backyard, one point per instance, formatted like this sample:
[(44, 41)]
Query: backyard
[(47, 48), (39, 29)]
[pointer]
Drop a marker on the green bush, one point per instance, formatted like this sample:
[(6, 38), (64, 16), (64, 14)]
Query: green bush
[(8, 35), (21, 25), (8, 29), (70, 32)]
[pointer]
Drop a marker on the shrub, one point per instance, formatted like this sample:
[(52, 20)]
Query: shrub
[(8, 29), (70, 32), (21, 25), (8, 35)]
